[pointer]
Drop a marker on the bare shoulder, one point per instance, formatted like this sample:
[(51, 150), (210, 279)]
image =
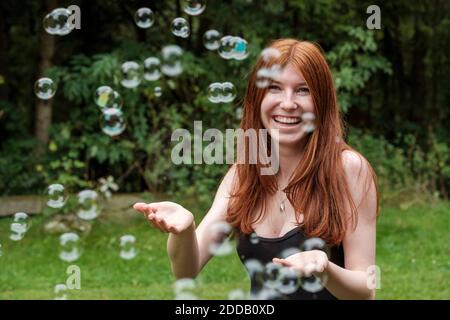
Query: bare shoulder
[(353, 162)]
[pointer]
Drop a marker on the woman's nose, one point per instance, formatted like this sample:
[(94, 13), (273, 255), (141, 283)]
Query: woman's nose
[(288, 102)]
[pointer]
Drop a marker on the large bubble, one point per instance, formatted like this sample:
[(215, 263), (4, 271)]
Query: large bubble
[(131, 74), (144, 18), (57, 22), (45, 88), (69, 247), (194, 7), (112, 122), (211, 39), (87, 200), (56, 196), (180, 27), (171, 56)]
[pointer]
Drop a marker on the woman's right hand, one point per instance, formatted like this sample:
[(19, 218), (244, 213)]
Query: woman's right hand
[(166, 216)]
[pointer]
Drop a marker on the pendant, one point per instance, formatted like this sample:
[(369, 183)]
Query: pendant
[(282, 207)]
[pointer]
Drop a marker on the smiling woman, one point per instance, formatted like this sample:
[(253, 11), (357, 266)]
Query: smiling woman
[(308, 230)]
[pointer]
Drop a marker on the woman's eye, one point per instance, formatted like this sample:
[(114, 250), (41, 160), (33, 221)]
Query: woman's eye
[(274, 88), (303, 90)]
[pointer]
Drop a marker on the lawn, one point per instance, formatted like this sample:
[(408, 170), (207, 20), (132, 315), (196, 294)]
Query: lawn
[(413, 252)]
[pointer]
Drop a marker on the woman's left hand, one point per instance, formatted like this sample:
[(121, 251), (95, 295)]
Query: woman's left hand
[(307, 263)]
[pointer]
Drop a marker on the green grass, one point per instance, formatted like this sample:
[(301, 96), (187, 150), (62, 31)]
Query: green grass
[(413, 253)]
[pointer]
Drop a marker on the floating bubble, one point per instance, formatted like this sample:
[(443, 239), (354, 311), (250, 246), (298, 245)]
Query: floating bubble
[(194, 7), (220, 244), (270, 53), (56, 195), (288, 280), (19, 226), (265, 76), (151, 69), (183, 287), (313, 284), (237, 294), (57, 22), (308, 121), (171, 56), (127, 250), (112, 122), (69, 247), (106, 97), (254, 239), (255, 270), (60, 292), (45, 88), (228, 92), (158, 91), (87, 199), (144, 18), (240, 50), (180, 27), (289, 252), (226, 47), (215, 92), (131, 74), (211, 39), (315, 244), (272, 275)]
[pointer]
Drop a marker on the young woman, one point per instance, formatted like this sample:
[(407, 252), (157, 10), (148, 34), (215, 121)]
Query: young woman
[(323, 188)]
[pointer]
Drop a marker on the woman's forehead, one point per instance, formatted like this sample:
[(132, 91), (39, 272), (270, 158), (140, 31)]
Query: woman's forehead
[(290, 75)]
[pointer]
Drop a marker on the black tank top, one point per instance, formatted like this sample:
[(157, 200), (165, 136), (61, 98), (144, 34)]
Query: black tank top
[(250, 248)]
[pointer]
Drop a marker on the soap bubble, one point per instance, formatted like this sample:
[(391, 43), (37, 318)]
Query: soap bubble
[(228, 92), (127, 250), (194, 7), (57, 22), (183, 289), (60, 292), (87, 199), (69, 247), (272, 276), (215, 92), (211, 39), (240, 50), (19, 226), (144, 18), (288, 280), (239, 113), (180, 27), (112, 122), (314, 284), (131, 74), (254, 239), (308, 121), (45, 88), (151, 69), (265, 76), (220, 244), (171, 56), (270, 53), (56, 195), (226, 47), (106, 97), (158, 91)]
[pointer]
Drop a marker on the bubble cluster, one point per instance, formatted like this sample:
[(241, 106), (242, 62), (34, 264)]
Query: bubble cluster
[(171, 56), (131, 74), (69, 247), (57, 22), (194, 7), (220, 244), (270, 53), (106, 97), (19, 226), (87, 200), (314, 284), (211, 39), (144, 18), (221, 92), (151, 69), (183, 289), (45, 88), (112, 122), (127, 250), (233, 48), (56, 196), (180, 27)]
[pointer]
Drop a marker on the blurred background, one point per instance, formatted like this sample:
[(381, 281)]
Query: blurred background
[(393, 86)]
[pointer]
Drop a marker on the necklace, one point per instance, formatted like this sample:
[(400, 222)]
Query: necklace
[(282, 205)]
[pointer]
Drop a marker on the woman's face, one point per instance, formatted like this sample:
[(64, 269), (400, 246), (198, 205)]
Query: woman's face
[(287, 99)]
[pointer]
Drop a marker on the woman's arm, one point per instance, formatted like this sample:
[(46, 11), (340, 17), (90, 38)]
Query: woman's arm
[(359, 243)]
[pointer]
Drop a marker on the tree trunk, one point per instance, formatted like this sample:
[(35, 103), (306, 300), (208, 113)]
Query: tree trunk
[(43, 114)]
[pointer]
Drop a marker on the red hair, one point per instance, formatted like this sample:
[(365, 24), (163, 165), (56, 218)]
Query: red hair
[(318, 186)]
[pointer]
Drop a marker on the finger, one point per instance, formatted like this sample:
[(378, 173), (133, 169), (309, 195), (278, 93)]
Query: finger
[(164, 224), (140, 206), (282, 262), (309, 268), (153, 219)]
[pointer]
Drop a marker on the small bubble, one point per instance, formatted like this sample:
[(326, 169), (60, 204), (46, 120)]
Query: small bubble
[(57, 22), (144, 18), (270, 53), (228, 92), (112, 122), (180, 27), (254, 239), (194, 7), (211, 39), (158, 93), (45, 88), (106, 97), (69, 247), (56, 195), (60, 291), (131, 74), (87, 200), (127, 250), (183, 289), (19, 226), (151, 69), (220, 244), (171, 56)]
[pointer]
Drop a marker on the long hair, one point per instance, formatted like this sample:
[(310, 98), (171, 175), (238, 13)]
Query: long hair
[(318, 186)]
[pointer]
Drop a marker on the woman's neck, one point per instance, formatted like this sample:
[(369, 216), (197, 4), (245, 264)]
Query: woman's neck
[(289, 158)]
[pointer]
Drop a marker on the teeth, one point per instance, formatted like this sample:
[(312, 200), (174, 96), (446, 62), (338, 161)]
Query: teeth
[(287, 120)]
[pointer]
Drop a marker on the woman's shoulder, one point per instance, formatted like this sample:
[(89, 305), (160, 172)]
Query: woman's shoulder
[(354, 162)]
